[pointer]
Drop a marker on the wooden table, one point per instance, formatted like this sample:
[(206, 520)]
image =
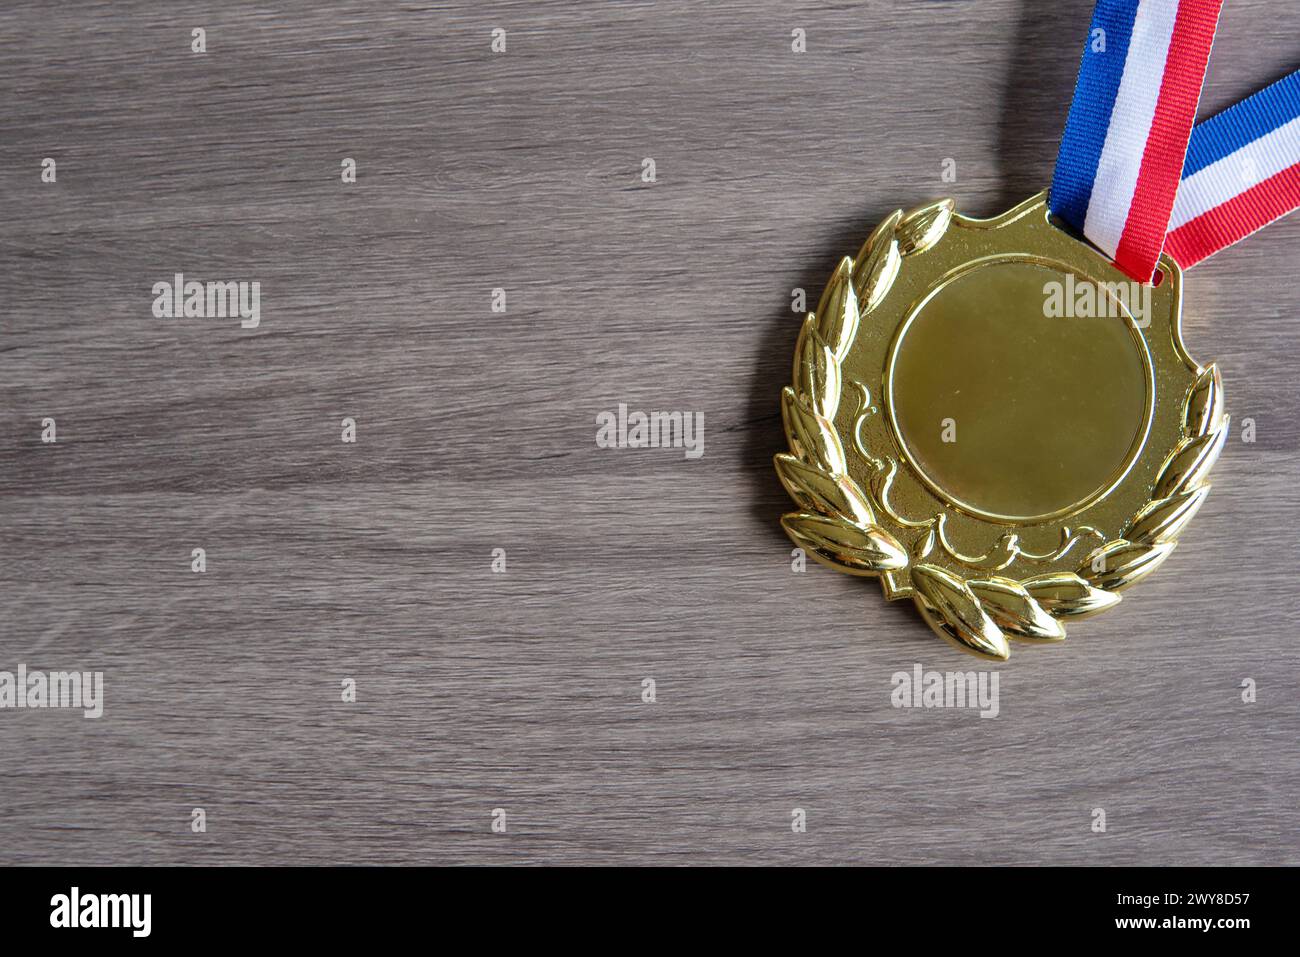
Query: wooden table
[(475, 430)]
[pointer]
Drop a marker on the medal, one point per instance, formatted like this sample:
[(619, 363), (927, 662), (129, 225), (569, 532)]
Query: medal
[(998, 418)]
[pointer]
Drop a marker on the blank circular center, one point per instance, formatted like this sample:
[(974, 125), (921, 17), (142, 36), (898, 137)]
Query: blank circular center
[(1010, 413)]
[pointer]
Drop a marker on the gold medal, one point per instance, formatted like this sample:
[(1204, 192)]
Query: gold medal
[(997, 422)]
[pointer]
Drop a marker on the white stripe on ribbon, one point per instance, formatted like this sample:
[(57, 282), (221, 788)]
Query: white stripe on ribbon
[(1130, 123), (1237, 172)]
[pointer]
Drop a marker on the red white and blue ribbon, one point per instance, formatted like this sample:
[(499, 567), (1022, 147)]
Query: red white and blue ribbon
[(1121, 157), (1134, 176), (1242, 172)]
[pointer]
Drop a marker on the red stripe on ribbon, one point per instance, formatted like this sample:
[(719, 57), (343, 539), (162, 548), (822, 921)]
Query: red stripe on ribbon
[(1171, 127), (1235, 219)]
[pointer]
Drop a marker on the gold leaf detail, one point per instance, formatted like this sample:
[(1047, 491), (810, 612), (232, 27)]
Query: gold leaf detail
[(877, 263), (955, 614), (1014, 611), (924, 545), (812, 438), (837, 313), (860, 551), (816, 372), (835, 496), (1164, 518), (922, 228), (1120, 563), (1066, 595), (1188, 465), (1204, 402)]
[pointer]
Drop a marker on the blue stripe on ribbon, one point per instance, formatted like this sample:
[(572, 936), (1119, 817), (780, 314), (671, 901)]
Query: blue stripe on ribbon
[(1225, 133), (1094, 100)]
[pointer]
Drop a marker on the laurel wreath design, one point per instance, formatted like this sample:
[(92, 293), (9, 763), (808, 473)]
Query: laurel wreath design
[(837, 523)]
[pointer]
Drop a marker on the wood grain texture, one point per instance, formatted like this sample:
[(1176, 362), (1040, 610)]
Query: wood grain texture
[(476, 431)]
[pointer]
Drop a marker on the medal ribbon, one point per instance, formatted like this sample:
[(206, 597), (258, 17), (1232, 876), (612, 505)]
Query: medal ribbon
[(1242, 172), (1120, 176)]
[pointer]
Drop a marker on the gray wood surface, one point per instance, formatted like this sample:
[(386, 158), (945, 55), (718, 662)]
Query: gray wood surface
[(476, 431)]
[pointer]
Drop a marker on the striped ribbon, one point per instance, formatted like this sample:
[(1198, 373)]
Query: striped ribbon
[(1242, 172), (1120, 176)]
